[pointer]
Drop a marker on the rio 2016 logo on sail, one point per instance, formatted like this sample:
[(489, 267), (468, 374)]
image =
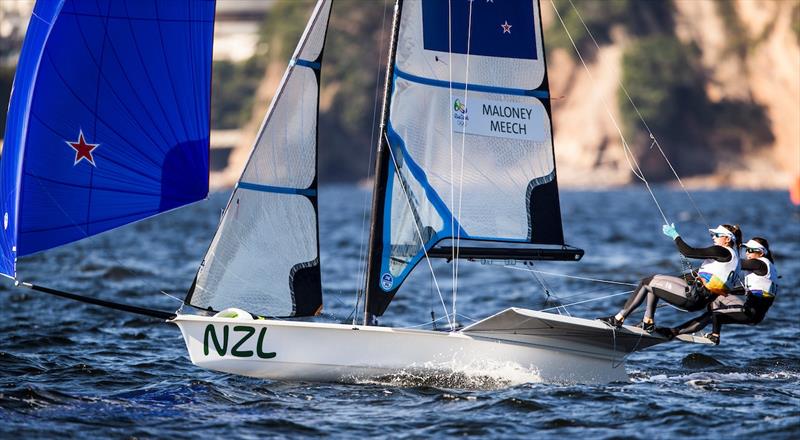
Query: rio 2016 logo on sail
[(460, 116), (244, 333)]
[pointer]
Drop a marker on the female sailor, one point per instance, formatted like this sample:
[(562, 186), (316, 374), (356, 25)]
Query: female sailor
[(717, 275), (761, 286)]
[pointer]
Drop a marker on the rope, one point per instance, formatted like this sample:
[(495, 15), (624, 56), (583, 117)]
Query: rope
[(627, 292), (436, 320), (547, 293), (461, 169), (598, 280), (641, 118), (427, 323), (452, 171), (629, 157)]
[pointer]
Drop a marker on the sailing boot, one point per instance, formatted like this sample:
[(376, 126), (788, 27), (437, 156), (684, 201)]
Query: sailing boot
[(713, 338), (612, 321)]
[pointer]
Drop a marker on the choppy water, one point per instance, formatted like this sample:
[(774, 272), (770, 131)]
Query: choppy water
[(72, 370)]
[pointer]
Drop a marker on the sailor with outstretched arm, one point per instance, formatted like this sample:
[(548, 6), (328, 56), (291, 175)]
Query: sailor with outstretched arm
[(717, 275)]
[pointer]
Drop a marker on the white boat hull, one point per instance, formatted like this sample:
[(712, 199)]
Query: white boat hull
[(307, 351)]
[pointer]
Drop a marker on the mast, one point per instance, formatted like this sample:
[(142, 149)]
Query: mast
[(381, 164)]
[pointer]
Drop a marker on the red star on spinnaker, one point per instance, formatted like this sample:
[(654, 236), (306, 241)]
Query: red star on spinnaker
[(83, 150)]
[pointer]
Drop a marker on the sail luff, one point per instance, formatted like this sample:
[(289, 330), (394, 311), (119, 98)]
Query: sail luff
[(16, 127), (375, 248)]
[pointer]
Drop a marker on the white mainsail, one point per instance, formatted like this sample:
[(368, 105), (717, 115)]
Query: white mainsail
[(469, 138)]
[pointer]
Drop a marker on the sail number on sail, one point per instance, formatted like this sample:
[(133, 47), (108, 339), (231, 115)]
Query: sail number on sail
[(242, 334), (510, 120)]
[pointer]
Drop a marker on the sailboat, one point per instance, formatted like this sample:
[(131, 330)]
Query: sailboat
[(108, 125)]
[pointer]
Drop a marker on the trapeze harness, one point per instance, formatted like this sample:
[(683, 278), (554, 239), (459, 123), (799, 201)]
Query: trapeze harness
[(720, 277), (714, 278), (761, 291), (740, 309)]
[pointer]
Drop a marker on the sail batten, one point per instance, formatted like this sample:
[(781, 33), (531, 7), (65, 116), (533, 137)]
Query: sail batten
[(544, 94), (264, 257), (468, 141)]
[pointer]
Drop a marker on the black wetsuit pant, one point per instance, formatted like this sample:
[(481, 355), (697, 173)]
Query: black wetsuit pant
[(750, 313), (674, 290), (716, 319)]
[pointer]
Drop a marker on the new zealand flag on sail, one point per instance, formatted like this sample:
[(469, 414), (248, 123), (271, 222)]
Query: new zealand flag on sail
[(499, 28)]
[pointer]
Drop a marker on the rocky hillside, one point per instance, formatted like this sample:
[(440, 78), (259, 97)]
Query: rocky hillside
[(718, 83)]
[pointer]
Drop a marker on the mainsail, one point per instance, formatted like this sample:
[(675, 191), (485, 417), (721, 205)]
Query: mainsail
[(466, 156), (108, 121), (264, 257)]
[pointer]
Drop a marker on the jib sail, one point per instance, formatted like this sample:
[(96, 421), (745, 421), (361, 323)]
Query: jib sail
[(264, 257)]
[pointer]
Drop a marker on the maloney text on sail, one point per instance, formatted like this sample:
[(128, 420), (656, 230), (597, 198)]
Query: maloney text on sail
[(507, 111)]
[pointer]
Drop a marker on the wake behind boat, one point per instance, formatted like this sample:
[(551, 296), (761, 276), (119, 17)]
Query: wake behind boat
[(465, 170)]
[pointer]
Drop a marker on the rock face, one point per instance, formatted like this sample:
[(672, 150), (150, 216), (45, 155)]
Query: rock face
[(589, 148), (749, 54)]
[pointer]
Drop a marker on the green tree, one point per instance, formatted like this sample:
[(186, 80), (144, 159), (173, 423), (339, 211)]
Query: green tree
[(669, 92), (637, 17)]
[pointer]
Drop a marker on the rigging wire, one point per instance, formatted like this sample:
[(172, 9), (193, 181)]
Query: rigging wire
[(461, 169), (641, 118), (548, 292), (629, 156), (362, 249), (419, 234), (598, 280), (452, 170), (685, 263), (438, 319), (627, 292)]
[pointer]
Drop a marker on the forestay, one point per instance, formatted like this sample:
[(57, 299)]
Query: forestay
[(108, 121), (470, 153), (264, 257)]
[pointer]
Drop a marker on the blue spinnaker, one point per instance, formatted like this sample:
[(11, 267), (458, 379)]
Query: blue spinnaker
[(108, 122)]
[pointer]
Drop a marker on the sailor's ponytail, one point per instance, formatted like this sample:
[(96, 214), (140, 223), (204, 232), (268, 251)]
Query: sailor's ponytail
[(765, 243), (737, 232)]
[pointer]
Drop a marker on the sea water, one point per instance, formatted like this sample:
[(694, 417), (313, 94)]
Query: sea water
[(72, 370)]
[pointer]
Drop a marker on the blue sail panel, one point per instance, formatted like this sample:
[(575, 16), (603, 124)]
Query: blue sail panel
[(108, 122), (496, 29)]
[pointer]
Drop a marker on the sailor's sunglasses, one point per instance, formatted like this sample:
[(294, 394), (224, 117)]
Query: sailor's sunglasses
[(751, 250)]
